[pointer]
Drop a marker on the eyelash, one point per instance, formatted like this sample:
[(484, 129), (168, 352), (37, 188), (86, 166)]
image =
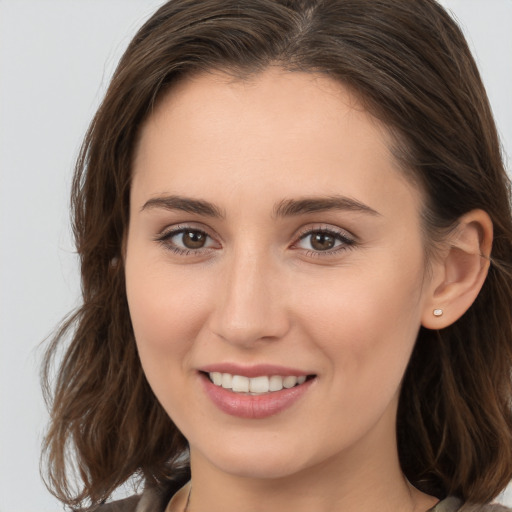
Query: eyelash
[(165, 239), (347, 242), (339, 236)]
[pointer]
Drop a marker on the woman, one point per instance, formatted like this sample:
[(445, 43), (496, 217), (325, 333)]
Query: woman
[(295, 233)]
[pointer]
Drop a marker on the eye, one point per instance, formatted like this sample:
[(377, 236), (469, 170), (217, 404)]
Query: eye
[(190, 239), (186, 240), (324, 240)]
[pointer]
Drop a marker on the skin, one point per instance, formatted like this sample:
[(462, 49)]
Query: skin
[(259, 292)]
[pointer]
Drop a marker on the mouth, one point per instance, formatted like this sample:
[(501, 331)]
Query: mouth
[(255, 386), (257, 397), (255, 391)]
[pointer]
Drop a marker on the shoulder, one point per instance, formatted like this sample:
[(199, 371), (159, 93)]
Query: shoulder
[(153, 499), (149, 501), (452, 504), (468, 507), (126, 505)]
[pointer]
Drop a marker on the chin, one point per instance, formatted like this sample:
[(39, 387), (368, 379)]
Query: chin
[(259, 470), (258, 461)]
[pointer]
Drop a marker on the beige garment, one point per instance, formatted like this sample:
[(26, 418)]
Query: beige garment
[(450, 504), (151, 501), (179, 501)]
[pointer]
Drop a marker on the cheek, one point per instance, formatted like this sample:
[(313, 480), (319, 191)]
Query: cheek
[(167, 315), (166, 311), (366, 325)]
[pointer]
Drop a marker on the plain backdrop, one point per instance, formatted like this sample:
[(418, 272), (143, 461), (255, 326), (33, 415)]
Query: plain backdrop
[(56, 58)]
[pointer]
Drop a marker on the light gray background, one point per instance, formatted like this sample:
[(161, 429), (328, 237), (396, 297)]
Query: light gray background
[(56, 57)]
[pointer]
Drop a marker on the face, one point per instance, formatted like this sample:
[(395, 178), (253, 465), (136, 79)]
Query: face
[(275, 249)]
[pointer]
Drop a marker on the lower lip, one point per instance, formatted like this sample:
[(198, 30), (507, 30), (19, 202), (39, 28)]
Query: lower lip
[(253, 406)]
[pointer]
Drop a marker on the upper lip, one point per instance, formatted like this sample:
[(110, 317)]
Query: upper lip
[(256, 370)]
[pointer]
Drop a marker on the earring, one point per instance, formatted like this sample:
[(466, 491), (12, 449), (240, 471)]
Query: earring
[(438, 312)]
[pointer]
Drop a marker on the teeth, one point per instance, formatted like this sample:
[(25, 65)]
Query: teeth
[(227, 380), (240, 384), (259, 385), (255, 385), (289, 382), (216, 378), (275, 383)]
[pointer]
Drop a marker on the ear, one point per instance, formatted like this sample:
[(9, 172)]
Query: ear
[(459, 272), (119, 260)]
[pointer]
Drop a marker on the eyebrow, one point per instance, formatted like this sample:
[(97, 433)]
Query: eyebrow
[(184, 204), (293, 207), (284, 208)]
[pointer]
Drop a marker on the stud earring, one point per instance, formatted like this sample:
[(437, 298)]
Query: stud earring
[(438, 312)]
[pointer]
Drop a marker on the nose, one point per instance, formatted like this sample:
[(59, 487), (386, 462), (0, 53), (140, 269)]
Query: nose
[(251, 305)]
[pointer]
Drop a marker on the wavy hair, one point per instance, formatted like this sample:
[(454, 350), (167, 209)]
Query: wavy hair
[(410, 65)]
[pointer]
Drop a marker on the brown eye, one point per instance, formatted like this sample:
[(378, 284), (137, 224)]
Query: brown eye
[(187, 241), (193, 239), (322, 241)]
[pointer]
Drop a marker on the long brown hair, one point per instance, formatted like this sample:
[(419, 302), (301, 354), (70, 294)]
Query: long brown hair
[(410, 65)]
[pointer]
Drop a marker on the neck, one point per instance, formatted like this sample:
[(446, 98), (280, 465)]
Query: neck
[(361, 481)]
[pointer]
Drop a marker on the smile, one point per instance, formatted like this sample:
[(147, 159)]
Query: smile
[(255, 385), (256, 397)]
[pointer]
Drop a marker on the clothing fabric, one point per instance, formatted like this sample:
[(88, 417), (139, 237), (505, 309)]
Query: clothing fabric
[(154, 500)]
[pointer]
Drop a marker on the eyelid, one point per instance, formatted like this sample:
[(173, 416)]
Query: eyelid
[(348, 240), (165, 235), (181, 226), (325, 228)]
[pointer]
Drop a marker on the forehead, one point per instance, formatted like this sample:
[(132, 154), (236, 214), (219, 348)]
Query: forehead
[(292, 101), (282, 129)]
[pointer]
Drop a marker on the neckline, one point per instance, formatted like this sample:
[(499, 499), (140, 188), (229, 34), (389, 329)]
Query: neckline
[(177, 502)]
